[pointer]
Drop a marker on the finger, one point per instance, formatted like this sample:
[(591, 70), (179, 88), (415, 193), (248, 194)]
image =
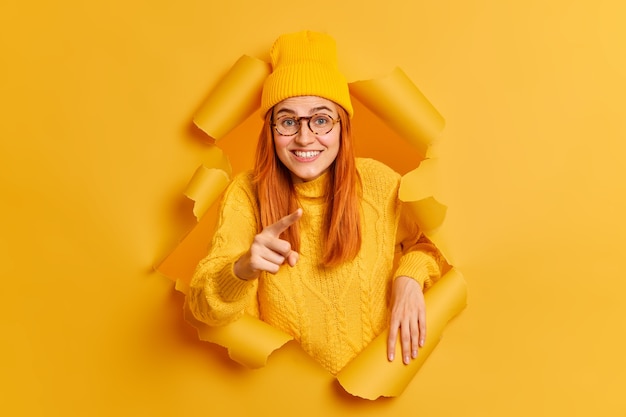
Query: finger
[(391, 342), (283, 224), (415, 336), (270, 248), (293, 258), (422, 327), (405, 339), (272, 257), (279, 246), (261, 264)]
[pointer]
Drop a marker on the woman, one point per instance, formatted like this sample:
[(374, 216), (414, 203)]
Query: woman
[(313, 240)]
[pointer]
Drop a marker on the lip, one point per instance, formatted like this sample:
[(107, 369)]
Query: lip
[(305, 158)]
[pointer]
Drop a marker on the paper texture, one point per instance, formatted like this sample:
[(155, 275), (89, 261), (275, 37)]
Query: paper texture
[(417, 190), (205, 187), (234, 98), (397, 101)]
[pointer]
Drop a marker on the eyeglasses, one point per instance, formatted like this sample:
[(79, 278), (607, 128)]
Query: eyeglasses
[(319, 124)]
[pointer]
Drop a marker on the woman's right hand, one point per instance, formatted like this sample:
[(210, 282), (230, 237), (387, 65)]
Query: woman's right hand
[(268, 252)]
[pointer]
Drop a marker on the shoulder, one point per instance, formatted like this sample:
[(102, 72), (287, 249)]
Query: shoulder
[(379, 183), (375, 173), (241, 188), (242, 180)]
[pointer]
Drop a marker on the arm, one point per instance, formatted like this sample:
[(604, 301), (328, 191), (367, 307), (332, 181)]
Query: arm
[(420, 265), (217, 296), (225, 283), (420, 259)]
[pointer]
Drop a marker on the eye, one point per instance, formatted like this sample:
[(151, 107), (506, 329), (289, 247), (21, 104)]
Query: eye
[(287, 122), (321, 120)]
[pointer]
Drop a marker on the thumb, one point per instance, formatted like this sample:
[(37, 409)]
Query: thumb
[(293, 258)]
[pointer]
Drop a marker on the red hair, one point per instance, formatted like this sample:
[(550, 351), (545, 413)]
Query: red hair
[(277, 196)]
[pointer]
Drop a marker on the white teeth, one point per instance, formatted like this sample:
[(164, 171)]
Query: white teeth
[(307, 154)]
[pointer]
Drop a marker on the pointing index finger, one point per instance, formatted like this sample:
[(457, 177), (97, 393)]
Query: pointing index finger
[(283, 224)]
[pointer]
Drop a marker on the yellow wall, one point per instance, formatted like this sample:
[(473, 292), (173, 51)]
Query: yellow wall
[(97, 144)]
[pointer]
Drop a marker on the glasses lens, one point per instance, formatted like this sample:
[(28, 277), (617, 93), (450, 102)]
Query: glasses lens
[(321, 124), (287, 125)]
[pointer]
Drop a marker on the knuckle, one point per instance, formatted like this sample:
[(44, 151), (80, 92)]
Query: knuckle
[(284, 247), (394, 319), (258, 240)]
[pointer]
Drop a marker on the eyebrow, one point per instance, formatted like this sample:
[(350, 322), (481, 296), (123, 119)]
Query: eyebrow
[(311, 111)]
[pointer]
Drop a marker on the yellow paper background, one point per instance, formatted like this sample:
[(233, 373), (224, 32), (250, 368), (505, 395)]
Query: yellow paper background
[(97, 145)]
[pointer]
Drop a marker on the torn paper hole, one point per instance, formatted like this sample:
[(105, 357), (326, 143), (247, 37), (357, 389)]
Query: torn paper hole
[(397, 101)]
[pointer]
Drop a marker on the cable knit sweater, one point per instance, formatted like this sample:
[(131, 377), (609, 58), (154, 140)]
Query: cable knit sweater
[(332, 312)]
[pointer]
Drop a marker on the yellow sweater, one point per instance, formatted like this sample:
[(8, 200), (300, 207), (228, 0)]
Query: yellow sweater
[(332, 312)]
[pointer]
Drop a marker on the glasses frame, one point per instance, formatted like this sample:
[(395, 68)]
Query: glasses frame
[(298, 120)]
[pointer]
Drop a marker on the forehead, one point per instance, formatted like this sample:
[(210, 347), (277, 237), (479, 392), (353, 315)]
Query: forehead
[(305, 105)]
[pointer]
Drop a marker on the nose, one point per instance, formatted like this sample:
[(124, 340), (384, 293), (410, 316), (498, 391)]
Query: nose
[(304, 135)]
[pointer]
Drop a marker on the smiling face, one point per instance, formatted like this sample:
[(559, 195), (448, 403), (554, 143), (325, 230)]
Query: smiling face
[(305, 154)]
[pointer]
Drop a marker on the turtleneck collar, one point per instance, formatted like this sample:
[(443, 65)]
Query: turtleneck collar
[(314, 189)]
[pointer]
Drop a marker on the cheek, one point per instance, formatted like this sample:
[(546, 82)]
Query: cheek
[(281, 150), (280, 146), (331, 143)]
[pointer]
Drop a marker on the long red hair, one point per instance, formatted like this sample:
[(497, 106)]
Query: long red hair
[(277, 196)]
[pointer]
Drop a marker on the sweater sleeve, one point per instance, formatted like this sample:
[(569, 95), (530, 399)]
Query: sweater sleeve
[(217, 296), (420, 258)]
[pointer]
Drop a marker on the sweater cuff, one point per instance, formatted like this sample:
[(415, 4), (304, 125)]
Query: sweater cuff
[(421, 267), (232, 288)]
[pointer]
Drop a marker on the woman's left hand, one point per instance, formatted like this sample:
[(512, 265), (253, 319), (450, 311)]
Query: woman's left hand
[(408, 315)]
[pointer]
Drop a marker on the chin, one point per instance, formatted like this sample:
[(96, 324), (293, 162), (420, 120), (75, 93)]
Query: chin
[(305, 176)]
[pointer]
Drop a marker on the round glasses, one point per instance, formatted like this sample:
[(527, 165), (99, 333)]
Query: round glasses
[(319, 124)]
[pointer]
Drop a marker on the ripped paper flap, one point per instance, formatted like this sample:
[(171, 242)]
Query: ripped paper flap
[(397, 101), (249, 341), (236, 96), (370, 375), (205, 187)]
